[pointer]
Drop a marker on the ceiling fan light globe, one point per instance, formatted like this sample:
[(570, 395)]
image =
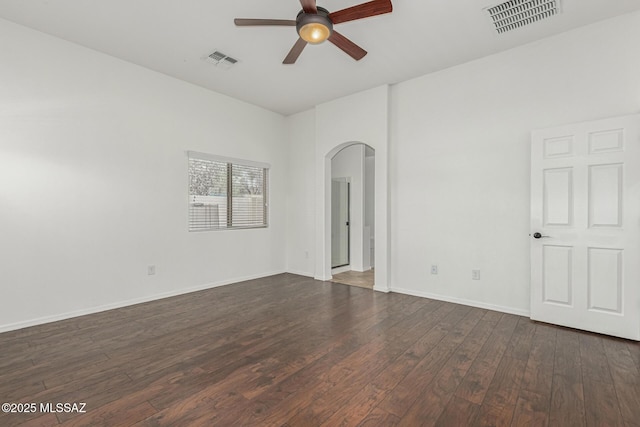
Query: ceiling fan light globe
[(314, 32), (314, 28)]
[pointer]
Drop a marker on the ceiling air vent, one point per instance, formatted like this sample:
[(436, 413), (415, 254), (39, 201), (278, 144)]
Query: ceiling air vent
[(221, 60), (514, 14)]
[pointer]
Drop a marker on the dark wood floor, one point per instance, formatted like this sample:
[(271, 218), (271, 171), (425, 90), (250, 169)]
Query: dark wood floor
[(287, 350)]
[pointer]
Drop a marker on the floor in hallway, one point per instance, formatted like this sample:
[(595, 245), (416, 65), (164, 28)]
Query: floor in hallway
[(355, 278)]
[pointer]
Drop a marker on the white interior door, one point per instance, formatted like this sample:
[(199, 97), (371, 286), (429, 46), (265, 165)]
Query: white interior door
[(585, 226), (339, 222)]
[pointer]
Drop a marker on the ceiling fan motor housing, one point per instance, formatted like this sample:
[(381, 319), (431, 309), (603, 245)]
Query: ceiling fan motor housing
[(314, 21)]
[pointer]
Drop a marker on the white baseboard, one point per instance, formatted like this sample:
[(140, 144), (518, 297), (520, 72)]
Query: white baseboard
[(472, 303), (342, 269), (120, 304), (381, 289), (300, 273)]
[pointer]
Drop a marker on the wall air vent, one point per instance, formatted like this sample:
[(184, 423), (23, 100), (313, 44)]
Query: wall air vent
[(514, 14), (221, 60)]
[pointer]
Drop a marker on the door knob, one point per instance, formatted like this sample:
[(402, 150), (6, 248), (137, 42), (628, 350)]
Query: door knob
[(537, 235)]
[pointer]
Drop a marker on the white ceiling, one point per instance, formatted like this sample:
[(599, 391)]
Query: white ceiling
[(173, 37)]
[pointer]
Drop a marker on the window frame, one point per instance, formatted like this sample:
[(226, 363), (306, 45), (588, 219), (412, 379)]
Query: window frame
[(230, 162)]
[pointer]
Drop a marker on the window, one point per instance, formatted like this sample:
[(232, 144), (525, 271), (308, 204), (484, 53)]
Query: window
[(226, 193)]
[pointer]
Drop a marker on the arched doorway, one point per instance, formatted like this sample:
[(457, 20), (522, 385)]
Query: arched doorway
[(353, 215), (379, 255)]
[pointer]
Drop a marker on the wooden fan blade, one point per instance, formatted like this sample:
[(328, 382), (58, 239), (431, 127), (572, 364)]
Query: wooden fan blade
[(309, 6), (347, 46), (364, 10), (295, 52), (241, 22)]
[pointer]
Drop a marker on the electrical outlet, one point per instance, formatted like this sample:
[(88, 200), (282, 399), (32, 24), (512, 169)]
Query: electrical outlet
[(306, 254), (434, 269), (475, 274), (151, 270)]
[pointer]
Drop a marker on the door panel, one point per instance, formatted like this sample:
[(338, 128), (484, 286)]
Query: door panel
[(585, 203), (605, 195), (557, 264), (558, 147), (558, 196), (339, 222), (605, 280), (606, 141)]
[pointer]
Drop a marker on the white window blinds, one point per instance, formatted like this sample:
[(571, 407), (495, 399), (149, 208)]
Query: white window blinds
[(226, 193)]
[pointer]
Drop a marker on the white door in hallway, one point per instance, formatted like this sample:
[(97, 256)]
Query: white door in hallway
[(340, 231), (585, 226)]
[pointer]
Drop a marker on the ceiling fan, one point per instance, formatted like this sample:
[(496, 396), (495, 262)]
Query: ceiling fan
[(314, 25)]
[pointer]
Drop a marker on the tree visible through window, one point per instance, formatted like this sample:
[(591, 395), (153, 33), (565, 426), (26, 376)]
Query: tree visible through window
[(226, 193)]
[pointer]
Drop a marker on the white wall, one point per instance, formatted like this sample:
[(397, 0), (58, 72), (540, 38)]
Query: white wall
[(349, 163), (459, 156), (93, 181), (300, 215)]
